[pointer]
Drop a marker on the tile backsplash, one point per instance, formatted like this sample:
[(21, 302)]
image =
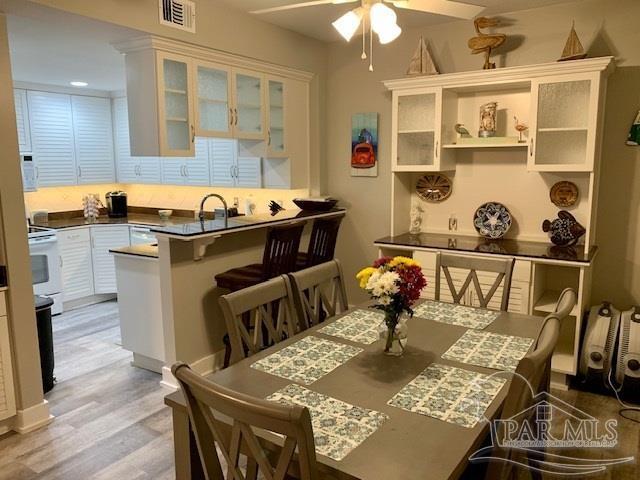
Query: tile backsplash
[(61, 199)]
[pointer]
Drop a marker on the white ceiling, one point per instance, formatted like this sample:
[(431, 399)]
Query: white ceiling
[(54, 48), (316, 21)]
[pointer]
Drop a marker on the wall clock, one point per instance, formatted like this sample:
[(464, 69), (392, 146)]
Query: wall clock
[(433, 188)]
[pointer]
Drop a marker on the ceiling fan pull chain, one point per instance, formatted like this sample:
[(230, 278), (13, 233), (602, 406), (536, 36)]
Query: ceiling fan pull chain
[(370, 46), (364, 39)]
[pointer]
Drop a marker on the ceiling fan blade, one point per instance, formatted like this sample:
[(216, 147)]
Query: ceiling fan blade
[(301, 5), (440, 7)]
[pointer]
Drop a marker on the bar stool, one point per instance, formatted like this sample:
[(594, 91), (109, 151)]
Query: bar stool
[(279, 257), (322, 244)]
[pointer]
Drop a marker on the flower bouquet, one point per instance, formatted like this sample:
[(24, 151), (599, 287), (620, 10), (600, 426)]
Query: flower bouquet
[(394, 284)]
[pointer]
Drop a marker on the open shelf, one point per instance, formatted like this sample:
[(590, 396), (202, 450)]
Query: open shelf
[(547, 302), (410, 131), (176, 119), (486, 145), (563, 129), (175, 91), (564, 355)]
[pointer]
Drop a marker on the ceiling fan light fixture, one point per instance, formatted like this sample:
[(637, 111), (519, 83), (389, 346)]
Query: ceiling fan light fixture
[(382, 17), (389, 34), (347, 25)]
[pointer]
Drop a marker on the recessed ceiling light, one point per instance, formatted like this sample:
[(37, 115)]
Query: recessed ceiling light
[(79, 84)]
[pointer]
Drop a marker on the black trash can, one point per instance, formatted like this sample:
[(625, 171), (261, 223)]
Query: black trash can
[(45, 339)]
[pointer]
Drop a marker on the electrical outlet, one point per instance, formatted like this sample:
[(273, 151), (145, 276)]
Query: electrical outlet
[(453, 222)]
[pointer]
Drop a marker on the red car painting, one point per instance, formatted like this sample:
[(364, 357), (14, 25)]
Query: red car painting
[(363, 156)]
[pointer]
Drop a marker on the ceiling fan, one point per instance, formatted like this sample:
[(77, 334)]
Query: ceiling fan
[(381, 19)]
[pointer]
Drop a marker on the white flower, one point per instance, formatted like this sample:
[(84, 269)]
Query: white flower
[(384, 284)]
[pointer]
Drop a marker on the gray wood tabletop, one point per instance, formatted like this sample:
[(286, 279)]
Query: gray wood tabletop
[(408, 445)]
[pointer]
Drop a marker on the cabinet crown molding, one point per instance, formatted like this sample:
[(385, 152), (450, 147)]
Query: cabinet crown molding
[(154, 42), (606, 65)]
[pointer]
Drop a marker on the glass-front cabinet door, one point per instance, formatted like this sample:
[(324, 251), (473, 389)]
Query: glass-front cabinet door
[(249, 116), (276, 140), (214, 114), (416, 139), (177, 131), (564, 123)]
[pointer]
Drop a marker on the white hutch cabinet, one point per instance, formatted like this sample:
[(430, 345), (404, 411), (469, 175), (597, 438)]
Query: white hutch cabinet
[(563, 106)]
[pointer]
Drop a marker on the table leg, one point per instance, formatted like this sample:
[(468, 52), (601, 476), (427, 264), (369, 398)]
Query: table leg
[(187, 460)]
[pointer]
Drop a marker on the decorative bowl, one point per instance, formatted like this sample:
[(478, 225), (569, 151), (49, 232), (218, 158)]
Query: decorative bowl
[(315, 204), (492, 220), (165, 214)]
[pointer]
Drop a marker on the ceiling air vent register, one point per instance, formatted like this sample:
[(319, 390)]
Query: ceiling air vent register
[(179, 14)]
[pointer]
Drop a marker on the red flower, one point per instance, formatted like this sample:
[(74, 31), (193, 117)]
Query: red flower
[(381, 261)]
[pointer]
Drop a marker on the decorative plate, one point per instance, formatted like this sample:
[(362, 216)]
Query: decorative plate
[(433, 188), (564, 194), (492, 220)]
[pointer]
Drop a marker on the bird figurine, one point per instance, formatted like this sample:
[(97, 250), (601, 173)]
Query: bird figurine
[(462, 130), (486, 42), (520, 128)]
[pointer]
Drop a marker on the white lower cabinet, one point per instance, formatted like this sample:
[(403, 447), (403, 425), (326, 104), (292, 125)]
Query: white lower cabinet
[(7, 392), (104, 238), (87, 266), (77, 267)]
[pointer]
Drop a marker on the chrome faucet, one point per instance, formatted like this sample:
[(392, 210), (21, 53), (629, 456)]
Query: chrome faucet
[(224, 203)]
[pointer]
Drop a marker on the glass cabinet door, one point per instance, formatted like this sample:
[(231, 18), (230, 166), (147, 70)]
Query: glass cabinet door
[(276, 132), (564, 125), (213, 108), (249, 106), (177, 130), (416, 139)]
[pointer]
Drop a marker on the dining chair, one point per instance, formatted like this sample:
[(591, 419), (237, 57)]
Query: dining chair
[(245, 413), (531, 378), (319, 293), (257, 317), (322, 243), (502, 267)]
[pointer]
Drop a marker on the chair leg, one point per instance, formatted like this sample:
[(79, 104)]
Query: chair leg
[(252, 469)]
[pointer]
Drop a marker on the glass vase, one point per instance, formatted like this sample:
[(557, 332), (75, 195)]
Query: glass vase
[(393, 333)]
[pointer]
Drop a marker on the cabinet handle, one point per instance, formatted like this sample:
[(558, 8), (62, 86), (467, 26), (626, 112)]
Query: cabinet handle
[(269, 137), (437, 145), (37, 172), (61, 261), (79, 171), (231, 116), (186, 170), (236, 112), (193, 134), (231, 171), (139, 170), (531, 149)]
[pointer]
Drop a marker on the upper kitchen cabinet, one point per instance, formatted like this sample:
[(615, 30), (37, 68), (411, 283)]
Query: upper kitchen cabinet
[(276, 139), (564, 123), (248, 110), (22, 120), (93, 136), (213, 105)]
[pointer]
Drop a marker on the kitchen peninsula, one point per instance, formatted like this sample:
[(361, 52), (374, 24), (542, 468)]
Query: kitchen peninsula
[(188, 257)]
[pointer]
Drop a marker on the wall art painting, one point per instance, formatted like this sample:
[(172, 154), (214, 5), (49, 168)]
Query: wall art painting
[(364, 145)]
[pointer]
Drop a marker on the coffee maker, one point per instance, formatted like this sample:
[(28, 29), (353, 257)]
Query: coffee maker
[(116, 204)]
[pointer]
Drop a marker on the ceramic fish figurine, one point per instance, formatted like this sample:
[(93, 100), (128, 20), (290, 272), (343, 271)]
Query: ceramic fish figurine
[(564, 230), (486, 42)]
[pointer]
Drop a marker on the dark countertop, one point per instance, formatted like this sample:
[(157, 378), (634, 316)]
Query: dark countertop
[(131, 219), (142, 250), (516, 248), (194, 229)]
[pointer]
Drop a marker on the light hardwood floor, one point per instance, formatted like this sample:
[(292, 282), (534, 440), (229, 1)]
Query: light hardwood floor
[(111, 422)]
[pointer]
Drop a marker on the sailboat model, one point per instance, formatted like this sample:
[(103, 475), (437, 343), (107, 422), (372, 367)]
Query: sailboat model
[(573, 49), (421, 62)]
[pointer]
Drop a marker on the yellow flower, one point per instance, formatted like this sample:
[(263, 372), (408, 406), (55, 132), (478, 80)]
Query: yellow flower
[(364, 275), (409, 262)]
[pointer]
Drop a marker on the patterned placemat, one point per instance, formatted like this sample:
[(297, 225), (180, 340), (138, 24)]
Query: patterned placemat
[(470, 317), (492, 350), (359, 326), (338, 427), (307, 360), (450, 394)]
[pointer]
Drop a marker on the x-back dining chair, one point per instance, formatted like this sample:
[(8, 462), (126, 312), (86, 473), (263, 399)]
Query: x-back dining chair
[(319, 293), (531, 378), (258, 316), (204, 397), (502, 267)]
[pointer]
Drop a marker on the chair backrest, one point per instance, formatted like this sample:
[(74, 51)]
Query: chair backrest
[(267, 308), (319, 293), (531, 378), (322, 244), (281, 249), (204, 397), (503, 268)]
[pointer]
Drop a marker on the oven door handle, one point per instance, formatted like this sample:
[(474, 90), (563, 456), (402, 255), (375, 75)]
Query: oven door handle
[(40, 241)]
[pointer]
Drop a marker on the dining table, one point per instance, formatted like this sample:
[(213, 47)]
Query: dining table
[(407, 445)]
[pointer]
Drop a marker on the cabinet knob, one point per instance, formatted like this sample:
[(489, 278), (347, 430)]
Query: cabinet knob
[(531, 149)]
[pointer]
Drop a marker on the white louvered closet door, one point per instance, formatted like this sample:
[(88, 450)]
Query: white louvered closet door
[(127, 167), (197, 167), (248, 172), (22, 120), (102, 240), (93, 139), (52, 138), (222, 155)]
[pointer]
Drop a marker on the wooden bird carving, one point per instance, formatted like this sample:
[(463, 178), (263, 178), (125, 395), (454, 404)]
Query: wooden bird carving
[(486, 42), (460, 129)]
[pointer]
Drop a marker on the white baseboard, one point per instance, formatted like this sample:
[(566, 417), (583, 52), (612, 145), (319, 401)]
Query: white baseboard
[(204, 366), (147, 363), (32, 418), (90, 300)]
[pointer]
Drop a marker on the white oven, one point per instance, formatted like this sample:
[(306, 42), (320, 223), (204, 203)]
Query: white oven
[(45, 265)]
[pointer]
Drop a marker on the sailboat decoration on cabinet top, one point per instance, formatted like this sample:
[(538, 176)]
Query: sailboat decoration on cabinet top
[(573, 49), (421, 62)]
